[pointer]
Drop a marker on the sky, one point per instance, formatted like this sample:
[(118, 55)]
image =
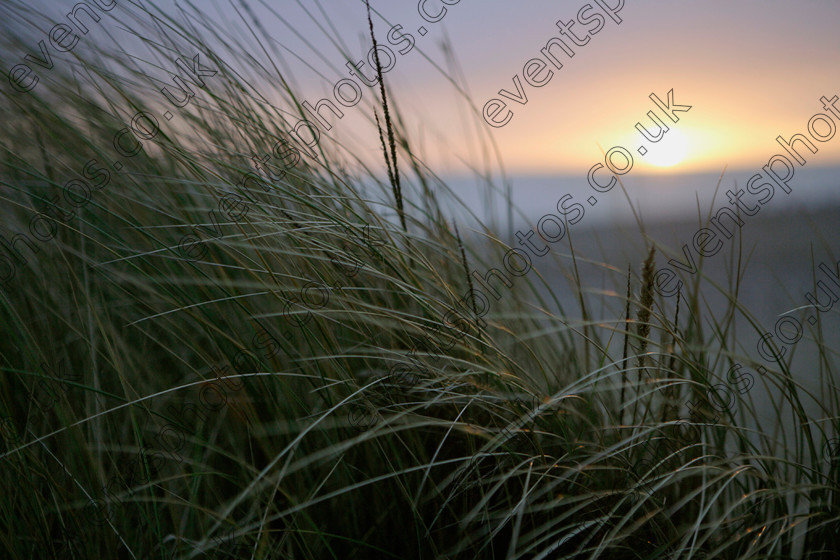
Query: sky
[(750, 71)]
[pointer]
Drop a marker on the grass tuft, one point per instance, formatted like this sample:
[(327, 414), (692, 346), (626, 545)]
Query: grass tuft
[(206, 358)]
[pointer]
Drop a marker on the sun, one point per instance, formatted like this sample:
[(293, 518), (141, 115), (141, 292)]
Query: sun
[(669, 151)]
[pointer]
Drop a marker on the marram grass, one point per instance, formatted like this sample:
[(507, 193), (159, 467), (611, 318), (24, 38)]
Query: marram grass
[(194, 365)]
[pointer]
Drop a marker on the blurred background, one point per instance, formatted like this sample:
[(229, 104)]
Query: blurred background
[(750, 70)]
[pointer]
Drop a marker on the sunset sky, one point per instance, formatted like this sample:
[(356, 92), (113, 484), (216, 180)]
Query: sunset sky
[(750, 70)]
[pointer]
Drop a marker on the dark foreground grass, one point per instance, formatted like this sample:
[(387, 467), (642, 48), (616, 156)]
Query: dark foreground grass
[(200, 366)]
